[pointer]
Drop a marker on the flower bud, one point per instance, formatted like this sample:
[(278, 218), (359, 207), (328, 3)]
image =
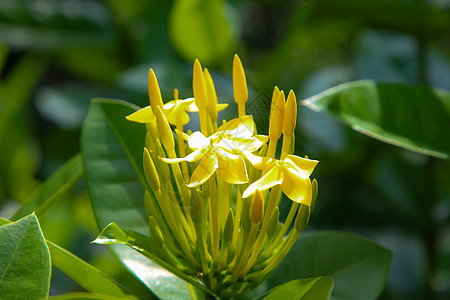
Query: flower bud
[(229, 228), (239, 82), (257, 208), (290, 117), (165, 133), (154, 93), (277, 119), (150, 171), (199, 86), (302, 218), (212, 96)]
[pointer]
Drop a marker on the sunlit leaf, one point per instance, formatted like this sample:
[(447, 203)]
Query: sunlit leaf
[(24, 261), (302, 289), (412, 117)]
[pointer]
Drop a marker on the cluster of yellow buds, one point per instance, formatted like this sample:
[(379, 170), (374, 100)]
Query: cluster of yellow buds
[(213, 202)]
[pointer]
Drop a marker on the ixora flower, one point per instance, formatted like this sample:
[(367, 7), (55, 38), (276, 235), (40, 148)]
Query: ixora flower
[(212, 196)]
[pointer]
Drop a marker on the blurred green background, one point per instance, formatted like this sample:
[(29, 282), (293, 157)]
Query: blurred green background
[(55, 55)]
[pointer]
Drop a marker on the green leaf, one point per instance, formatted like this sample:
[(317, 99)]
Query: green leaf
[(24, 261), (412, 117), (359, 267), (89, 296), (112, 234), (200, 29), (49, 192), (112, 155), (87, 276), (302, 289)]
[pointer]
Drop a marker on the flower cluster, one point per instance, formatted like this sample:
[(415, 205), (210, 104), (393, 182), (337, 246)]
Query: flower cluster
[(213, 195)]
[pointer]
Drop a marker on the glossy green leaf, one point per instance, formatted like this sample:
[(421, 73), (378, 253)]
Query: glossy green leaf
[(24, 261), (87, 276), (112, 155), (200, 29), (302, 289), (359, 267), (112, 234), (60, 182), (412, 117), (89, 296)]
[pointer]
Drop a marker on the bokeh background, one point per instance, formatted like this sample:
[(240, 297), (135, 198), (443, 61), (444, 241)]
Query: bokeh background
[(55, 55)]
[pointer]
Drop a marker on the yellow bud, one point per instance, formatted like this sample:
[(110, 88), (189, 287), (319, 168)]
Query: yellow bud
[(257, 208), (290, 117), (155, 232), (199, 86), (164, 168), (212, 96), (275, 94), (153, 91), (302, 218), (165, 133), (150, 171), (239, 82), (175, 94), (277, 119)]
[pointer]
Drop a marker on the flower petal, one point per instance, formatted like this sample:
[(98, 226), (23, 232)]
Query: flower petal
[(191, 157), (208, 165), (231, 167), (144, 115), (304, 166), (197, 140), (242, 127), (271, 179), (296, 187), (174, 114), (258, 162)]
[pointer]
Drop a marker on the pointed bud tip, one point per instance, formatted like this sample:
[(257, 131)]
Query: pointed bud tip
[(257, 208)]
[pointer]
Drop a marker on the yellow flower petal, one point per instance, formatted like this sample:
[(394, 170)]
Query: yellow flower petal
[(296, 188), (242, 127), (231, 167), (302, 165), (208, 165), (144, 115), (198, 140), (193, 156), (272, 178), (258, 162)]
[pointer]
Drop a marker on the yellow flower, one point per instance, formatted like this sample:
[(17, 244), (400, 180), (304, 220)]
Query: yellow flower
[(292, 173), (172, 110), (218, 152)]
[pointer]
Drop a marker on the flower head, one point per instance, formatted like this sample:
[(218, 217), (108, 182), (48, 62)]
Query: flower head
[(210, 230)]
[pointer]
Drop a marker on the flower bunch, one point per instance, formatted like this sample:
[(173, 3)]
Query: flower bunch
[(213, 195)]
